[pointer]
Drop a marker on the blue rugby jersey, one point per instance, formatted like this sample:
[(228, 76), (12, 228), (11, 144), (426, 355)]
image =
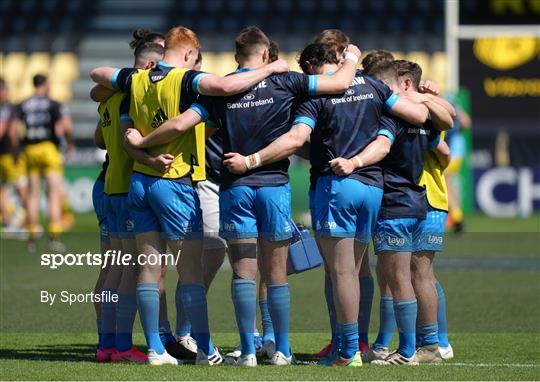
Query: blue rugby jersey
[(214, 155), (250, 121), (343, 125), (403, 166)]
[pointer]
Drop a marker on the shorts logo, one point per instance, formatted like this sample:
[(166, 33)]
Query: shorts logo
[(397, 241), (330, 225), (130, 225), (228, 226), (433, 239)]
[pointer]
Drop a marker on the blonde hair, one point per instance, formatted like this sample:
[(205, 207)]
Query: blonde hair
[(181, 37)]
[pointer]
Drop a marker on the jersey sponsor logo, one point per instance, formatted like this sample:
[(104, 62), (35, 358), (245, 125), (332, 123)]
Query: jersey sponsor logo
[(159, 118), (352, 98), (106, 120), (250, 104), (350, 92), (249, 96), (260, 85)]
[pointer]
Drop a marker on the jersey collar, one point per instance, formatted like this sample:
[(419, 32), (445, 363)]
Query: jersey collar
[(163, 63), (241, 70)]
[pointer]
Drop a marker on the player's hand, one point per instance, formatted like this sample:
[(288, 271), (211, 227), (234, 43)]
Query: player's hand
[(279, 66), (354, 50), (235, 163), (162, 163), (341, 166), (133, 138), (429, 87)]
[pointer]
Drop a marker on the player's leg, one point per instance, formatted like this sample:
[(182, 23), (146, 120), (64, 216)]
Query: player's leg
[(54, 184), (214, 247), (239, 227), (387, 320), (423, 280), (366, 302), (181, 222), (274, 218), (268, 339), (32, 208), (126, 306), (396, 268)]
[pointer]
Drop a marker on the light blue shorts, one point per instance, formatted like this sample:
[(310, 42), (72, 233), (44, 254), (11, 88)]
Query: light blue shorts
[(431, 231), (396, 235), (120, 222), (346, 207), (249, 212), (99, 202), (159, 204)]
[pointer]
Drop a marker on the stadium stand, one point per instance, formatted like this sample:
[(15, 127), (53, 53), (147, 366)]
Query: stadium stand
[(67, 38)]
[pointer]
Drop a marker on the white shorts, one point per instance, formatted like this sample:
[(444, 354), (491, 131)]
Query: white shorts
[(209, 196)]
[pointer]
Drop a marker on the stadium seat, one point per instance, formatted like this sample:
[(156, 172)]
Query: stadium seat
[(38, 63), (61, 91), (15, 65), (64, 67), (439, 69)]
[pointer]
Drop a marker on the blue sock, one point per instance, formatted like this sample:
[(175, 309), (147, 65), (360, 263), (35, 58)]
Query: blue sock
[(244, 300), (183, 326), (98, 324), (406, 312), (441, 316), (165, 333), (329, 297), (268, 328), (279, 305), (427, 334), (349, 339), (194, 299), (387, 323), (108, 322), (148, 304), (126, 309), (364, 313)]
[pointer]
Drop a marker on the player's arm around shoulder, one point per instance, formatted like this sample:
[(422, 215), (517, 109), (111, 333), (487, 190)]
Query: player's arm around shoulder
[(213, 85), (339, 81)]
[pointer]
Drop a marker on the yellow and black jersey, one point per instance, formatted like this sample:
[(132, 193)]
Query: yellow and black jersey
[(432, 179), (118, 174)]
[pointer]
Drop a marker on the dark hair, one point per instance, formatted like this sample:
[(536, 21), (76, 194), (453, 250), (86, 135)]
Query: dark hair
[(149, 47), (316, 55), (249, 39), (409, 69), (39, 79), (385, 71), (335, 38), (142, 35), (273, 51), (375, 57)]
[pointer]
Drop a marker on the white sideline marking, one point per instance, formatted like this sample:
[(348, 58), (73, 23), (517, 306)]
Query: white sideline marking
[(530, 365)]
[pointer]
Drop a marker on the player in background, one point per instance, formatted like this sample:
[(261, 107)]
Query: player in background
[(167, 203), (338, 41), (12, 167), (255, 206), (45, 121)]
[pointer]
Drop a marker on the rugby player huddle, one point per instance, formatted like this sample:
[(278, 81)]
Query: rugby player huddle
[(199, 163)]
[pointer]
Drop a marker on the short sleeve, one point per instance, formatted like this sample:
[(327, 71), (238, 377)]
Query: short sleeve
[(434, 138), (387, 95), (121, 79), (307, 112), (388, 127), (204, 106), (297, 83)]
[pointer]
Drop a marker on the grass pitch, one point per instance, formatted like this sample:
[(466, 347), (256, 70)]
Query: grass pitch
[(493, 317)]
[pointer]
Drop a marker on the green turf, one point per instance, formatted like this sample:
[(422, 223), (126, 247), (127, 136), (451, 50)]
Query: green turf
[(493, 320)]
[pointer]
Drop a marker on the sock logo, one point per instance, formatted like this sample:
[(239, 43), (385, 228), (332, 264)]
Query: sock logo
[(159, 118)]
